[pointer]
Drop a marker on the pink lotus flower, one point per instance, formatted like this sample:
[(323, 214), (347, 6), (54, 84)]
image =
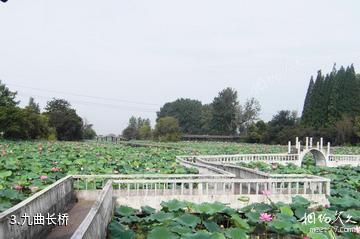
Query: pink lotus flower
[(266, 193), (357, 229), (43, 177), (18, 187), (55, 169), (265, 217)]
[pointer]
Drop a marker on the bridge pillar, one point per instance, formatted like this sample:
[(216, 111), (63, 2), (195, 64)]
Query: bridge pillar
[(311, 142), (317, 145), (299, 147), (328, 148), (297, 142)]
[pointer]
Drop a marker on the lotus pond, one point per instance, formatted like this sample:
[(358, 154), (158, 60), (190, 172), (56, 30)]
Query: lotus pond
[(180, 219), (27, 167)]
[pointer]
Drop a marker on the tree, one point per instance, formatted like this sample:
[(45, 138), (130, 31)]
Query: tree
[(7, 97), (224, 108), (167, 129), (357, 127), (282, 127), (17, 123), (33, 106), (187, 112), (145, 131), (138, 128), (305, 113), (206, 118), (131, 131), (88, 131), (345, 131), (12, 123), (248, 114), (256, 132), (64, 119), (37, 124)]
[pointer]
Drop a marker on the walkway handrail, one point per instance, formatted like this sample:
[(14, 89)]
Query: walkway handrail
[(95, 223), (117, 176), (233, 186), (41, 203)]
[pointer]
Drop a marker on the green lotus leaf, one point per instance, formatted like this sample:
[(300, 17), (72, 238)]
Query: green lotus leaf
[(148, 210), (5, 174), (125, 211), (209, 208), (188, 220), (161, 216), (211, 226), (161, 233), (117, 230), (197, 235), (236, 233), (286, 210), (174, 205), (217, 235), (239, 222)]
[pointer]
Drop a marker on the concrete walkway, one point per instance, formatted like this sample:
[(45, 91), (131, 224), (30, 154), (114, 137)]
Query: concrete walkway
[(76, 215), (205, 171)]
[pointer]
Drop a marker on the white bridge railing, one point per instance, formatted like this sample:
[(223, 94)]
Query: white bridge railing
[(339, 157), (206, 187), (322, 156), (166, 185), (89, 182), (250, 158)]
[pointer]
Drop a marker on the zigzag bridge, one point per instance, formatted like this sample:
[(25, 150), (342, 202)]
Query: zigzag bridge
[(90, 199)]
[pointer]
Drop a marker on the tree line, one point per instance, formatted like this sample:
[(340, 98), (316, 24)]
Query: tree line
[(331, 110), (59, 121), (224, 116)]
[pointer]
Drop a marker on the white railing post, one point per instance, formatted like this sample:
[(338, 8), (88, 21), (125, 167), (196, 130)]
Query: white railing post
[(289, 147), (321, 143), (297, 142), (328, 148), (307, 143), (299, 147), (311, 142), (317, 145), (200, 189), (327, 188)]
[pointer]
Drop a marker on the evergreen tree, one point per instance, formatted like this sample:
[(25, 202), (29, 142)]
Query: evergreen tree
[(305, 113)]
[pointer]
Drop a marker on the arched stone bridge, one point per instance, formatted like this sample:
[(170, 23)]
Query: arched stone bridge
[(295, 155)]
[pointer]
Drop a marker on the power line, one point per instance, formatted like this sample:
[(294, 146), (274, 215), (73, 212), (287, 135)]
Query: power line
[(88, 103), (81, 95)]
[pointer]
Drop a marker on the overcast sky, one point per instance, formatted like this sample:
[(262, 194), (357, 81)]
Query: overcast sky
[(131, 57)]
